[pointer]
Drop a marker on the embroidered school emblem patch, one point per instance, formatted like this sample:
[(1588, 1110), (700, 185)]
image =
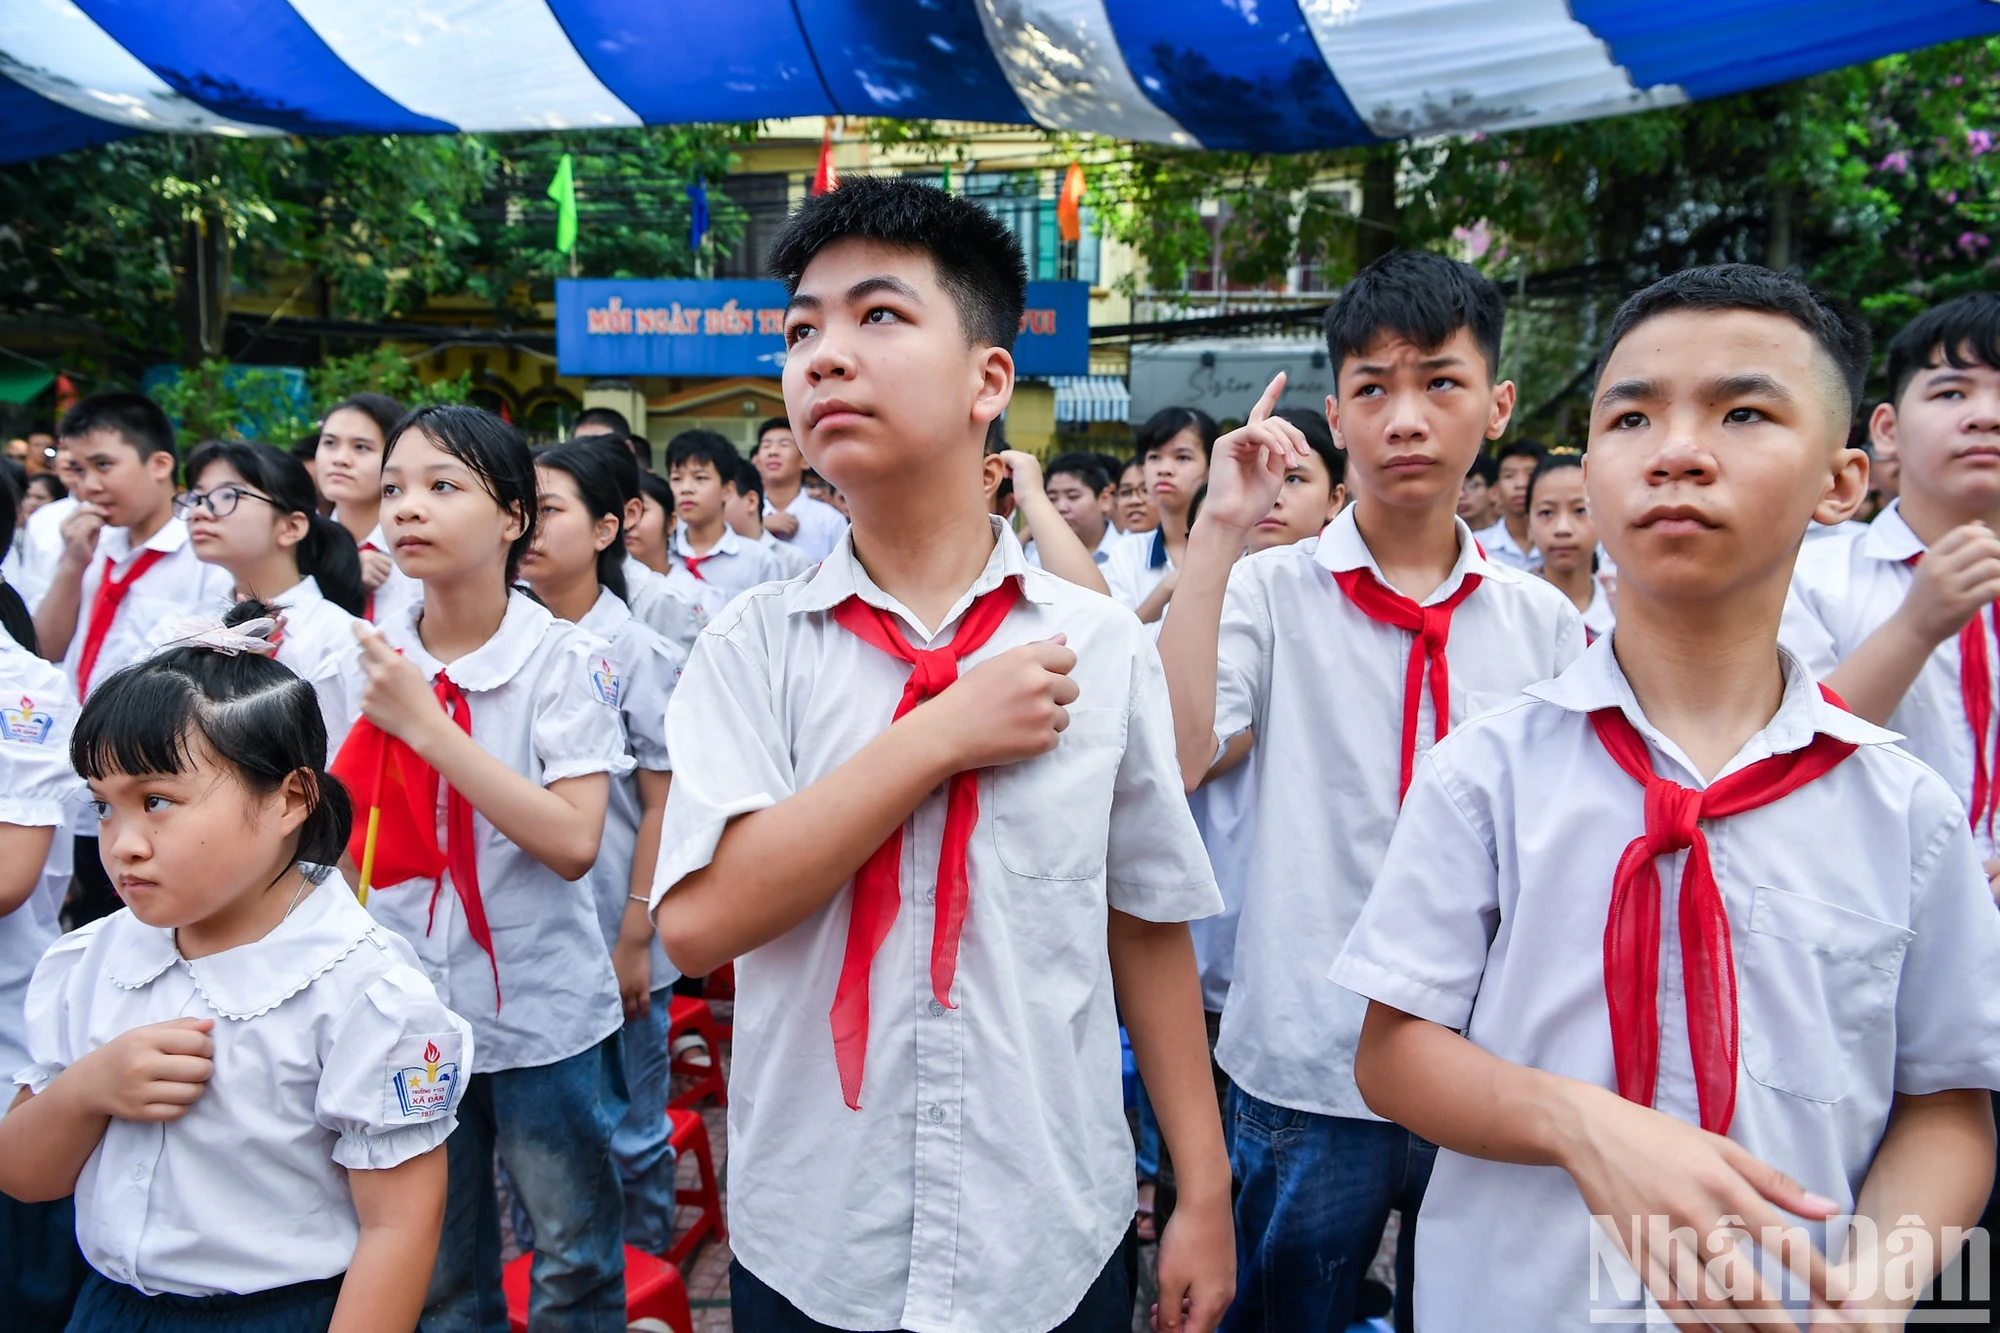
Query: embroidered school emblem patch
[(27, 723), (604, 683), (424, 1090)]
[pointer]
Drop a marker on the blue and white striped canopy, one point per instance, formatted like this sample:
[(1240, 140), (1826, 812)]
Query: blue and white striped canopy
[(1277, 75)]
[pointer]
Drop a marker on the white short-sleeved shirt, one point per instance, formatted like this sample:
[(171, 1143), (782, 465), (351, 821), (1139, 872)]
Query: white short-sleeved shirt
[(541, 706), (392, 601), (660, 606), (332, 1054), (1101, 554), (1224, 810), (1864, 936), (733, 565), (320, 648), (1599, 616), (1322, 684), (38, 789), (1135, 566), (1842, 592), (1502, 549), (37, 550), (175, 587), (646, 668), (821, 526), (791, 561), (988, 1175)]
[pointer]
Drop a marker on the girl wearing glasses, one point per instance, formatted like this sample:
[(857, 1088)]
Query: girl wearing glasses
[(251, 510)]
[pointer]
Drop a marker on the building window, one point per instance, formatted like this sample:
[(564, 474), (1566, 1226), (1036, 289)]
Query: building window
[(765, 198)]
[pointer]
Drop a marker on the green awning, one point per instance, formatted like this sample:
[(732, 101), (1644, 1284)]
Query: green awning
[(22, 383)]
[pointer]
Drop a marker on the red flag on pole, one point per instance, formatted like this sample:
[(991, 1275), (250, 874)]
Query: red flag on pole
[(826, 178), (1069, 205)]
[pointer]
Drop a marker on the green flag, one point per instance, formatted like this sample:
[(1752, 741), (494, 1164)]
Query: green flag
[(945, 183), (563, 190)]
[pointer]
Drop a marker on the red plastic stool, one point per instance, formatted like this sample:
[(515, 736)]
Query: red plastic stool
[(691, 1135), (653, 1290), (721, 985), (688, 1013)]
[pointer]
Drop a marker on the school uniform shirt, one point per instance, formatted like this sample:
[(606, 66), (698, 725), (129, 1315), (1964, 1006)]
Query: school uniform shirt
[(1223, 810), (539, 706), (1135, 566), (733, 565), (391, 601), (1842, 592), (333, 1054), (988, 1176), (1322, 685), (319, 646), (1865, 944), (176, 586), (1502, 549), (660, 606), (791, 561), (644, 669), (38, 547), (1101, 554), (1599, 616), (38, 789), (821, 526)]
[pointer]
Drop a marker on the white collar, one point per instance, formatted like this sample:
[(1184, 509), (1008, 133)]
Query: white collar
[(306, 592), (252, 979), (1890, 537), (607, 615), (840, 576), (116, 543), (730, 544), (1596, 681), (1496, 535), (493, 663), (1342, 548)]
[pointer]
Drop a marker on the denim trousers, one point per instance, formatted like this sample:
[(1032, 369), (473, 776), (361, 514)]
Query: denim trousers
[(552, 1127), (641, 1145), (1314, 1193)]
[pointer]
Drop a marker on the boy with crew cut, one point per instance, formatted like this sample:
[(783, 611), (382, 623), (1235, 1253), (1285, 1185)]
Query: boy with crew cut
[(1506, 539), (1078, 485), (126, 570), (927, 799), (745, 514), (1343, 657), (1899, 620), (1478, 500), (791, 514), (1720, 951), (710, 563)]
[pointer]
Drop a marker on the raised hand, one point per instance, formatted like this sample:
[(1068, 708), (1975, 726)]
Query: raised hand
[(396, 698), (1956, 577), (1247, 468)]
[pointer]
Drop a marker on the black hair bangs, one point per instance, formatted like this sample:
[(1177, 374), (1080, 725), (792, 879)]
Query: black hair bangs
[(1421, 297), (140, 723), (1961, 333)]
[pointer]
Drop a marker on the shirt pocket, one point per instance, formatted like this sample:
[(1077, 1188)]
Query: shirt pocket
[(1813, 978), (1052, 813)]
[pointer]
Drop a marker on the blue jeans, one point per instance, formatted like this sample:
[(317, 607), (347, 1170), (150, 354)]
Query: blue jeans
[(552, 1127), (1315, 1192), (641, 1143)]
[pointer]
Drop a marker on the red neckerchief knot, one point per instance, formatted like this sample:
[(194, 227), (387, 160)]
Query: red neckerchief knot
[(1674, 816), (878, 890), (1432, 627)]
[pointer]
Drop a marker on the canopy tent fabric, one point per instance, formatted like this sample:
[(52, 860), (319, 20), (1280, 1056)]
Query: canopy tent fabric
[(1091, 398), (1268, 75)]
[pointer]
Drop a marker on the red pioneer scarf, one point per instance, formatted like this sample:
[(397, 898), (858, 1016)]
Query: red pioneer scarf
[(1432, 627)]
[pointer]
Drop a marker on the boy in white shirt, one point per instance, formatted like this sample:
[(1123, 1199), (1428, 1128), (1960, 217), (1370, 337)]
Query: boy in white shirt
[(1506, 539), (925, 1121), (710, 562), (744, 511), (1827, 921), (812, 525), (1343, 656), (1899, 620), (126, 569)]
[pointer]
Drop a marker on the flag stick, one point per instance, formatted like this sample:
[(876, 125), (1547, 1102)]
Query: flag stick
[(374, 825)]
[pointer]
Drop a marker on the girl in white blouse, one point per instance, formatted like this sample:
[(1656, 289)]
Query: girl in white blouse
[(516, 714), (242, 1077), (250, 509)]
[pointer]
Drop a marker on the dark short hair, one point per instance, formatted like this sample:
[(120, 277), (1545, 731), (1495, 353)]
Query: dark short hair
[(379, 408), (1552, 463), (769, 424), (1485, 467), (1319, 435), (1724, 287), (1168, 422), (603, 416), (704, 446), (1086, 468), (1518, 449), (595, 469), (252, 714), (327, 554), (749, 480), (654, 487), (133, 417), (978, 259), (1961, 333), (1418, 296), (635, 447), (494, 452)]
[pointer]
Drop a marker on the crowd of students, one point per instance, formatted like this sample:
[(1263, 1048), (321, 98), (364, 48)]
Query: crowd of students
[(389, 786)]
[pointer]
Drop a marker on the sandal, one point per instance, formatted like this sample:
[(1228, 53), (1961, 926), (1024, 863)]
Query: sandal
[(690, 1049)]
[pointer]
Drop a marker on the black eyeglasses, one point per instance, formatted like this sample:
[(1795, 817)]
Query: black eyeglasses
[(220, 501)]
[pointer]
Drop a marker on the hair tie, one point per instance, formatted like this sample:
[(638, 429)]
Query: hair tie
[(252, 636)]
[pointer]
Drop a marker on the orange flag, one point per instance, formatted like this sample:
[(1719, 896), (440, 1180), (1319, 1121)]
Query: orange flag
[(1069, 205), (826, 178)]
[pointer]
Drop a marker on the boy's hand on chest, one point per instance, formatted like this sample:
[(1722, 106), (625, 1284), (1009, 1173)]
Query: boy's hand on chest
[(1008, 708)]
